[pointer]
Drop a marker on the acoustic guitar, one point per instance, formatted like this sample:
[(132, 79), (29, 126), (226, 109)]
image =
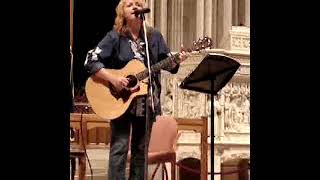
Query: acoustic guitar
[(109, 104)]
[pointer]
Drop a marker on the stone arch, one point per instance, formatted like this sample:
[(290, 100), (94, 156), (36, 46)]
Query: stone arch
[(233, 163)]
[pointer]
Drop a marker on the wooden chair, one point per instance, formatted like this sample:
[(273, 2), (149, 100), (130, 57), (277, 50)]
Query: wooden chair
[(80, 154), (90, 126), (77, 151)]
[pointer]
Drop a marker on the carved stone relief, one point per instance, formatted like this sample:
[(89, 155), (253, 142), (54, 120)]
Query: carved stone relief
[(243, 70), (231, 104), (235, 156), (231, 152), (235, 138), (189, 137), (240, 38), (191, 104), (188, 151), (167, 101), (234, 104), (231, 108)]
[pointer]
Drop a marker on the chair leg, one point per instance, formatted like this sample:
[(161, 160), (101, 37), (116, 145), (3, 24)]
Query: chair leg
[(164, 169), (155, 171), (173, 170), (162, 172), (73, 168)]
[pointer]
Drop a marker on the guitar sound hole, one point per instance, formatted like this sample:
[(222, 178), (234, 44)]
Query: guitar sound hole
[(132, 81)]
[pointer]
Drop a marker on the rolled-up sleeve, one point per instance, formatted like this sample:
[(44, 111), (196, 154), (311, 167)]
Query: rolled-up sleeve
[(98, 57)]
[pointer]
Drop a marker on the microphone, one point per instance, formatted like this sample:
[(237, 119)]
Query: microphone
[(141, 11)]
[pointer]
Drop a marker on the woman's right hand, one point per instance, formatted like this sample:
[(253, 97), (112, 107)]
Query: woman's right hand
[(119, 83)]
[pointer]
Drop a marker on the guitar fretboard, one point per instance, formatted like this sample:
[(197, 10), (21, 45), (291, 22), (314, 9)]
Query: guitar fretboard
[(157, 67)]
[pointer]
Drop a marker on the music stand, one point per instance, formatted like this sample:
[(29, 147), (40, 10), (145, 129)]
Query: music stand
[(210, 76)]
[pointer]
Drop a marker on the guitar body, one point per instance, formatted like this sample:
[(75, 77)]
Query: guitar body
[(104, 101), (109, 104)]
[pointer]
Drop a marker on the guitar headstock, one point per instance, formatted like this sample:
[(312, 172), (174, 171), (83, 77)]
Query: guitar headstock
[(202, 43), (197, 46)]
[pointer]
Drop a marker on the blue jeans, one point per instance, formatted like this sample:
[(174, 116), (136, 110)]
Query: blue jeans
[(119, 146)]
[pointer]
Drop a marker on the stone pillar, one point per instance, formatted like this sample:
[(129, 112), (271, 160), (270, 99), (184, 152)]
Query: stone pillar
[(175, 24), (247, 13), (214, 22), (189, 20), (235, 13), (241, 12), (150, 16), (224, 23), (164, 18), (208, 18), (200, 18), (171, 27), (179, 24)]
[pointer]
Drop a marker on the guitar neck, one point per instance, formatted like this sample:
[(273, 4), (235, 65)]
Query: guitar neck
[(197, 46), (157, 67)]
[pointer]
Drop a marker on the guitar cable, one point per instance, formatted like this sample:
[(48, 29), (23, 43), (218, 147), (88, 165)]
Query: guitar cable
[(84, 146)]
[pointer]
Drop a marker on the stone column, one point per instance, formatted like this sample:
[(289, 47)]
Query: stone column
[(208, 18), (171, 22), (150, 16), (164, 18), (247, 13), (200, 19), (214, 22), (175, 24), (224, 23), (179, 24), (218, 152), (235, 12)]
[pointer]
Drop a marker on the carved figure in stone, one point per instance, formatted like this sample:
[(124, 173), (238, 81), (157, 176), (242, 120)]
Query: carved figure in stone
[(167, 109), (191, 106), (216, 117), (237, 116), (247, 104), (208, 107), (168, 98), (246, 107), (221, 100), (227, 107), (217, 108), (232, 106)]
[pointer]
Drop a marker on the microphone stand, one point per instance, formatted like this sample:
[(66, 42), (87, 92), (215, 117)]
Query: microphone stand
[(147, 132)]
